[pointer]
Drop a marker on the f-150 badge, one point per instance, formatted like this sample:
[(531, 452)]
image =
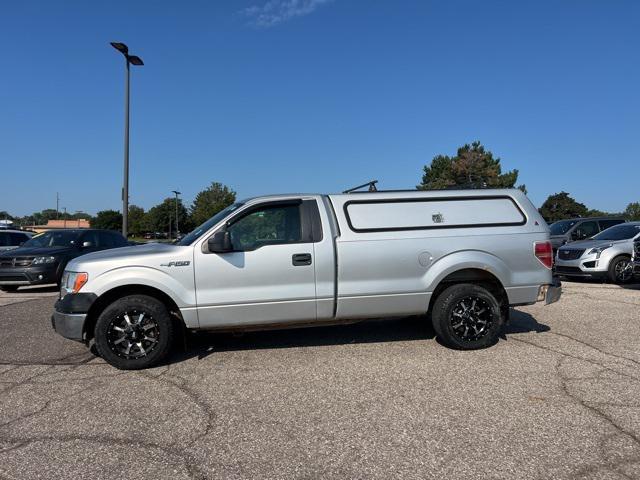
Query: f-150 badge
[(179, 263)]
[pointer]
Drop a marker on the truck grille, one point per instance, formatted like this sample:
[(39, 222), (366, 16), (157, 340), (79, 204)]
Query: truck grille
[(570, 253), (8, 262), (636, 247)]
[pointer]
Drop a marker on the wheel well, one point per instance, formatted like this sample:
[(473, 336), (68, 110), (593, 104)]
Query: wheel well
[(477, 277), (110, 296), (621, 255)]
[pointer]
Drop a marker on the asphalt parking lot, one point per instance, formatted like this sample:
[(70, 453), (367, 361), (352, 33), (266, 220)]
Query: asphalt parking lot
[(559, 397)]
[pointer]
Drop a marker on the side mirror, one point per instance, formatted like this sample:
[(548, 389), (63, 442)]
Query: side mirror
[(220, 242), (87, 244)]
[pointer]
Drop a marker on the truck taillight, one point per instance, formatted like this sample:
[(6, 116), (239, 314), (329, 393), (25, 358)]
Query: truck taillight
[(544, 252)]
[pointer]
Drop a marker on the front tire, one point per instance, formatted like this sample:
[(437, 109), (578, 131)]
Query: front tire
[(134, 332), (620, 270), (467, 317)]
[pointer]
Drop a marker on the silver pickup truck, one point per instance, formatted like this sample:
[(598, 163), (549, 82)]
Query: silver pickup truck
[(459, 257)]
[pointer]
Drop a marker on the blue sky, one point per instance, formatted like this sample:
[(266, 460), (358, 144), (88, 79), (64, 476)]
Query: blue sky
[(313, 95)]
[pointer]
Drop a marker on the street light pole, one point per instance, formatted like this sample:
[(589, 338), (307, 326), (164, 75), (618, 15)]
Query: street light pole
[(177, 230), (129, 60)]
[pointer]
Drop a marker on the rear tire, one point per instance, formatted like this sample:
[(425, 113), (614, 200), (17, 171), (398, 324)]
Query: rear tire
[(467, 317), (134, 332), (620, 270), (9, 288)]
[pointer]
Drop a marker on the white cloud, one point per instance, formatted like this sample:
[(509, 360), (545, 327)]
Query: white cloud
[(277, 11)]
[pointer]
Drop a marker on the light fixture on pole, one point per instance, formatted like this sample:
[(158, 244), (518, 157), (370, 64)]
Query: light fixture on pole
[(177, 193), (130, 60)]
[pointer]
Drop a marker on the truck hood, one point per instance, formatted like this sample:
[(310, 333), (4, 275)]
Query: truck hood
[(150, 254)]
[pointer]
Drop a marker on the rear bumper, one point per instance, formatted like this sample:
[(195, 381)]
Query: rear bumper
[(550, 293), (553, 291)]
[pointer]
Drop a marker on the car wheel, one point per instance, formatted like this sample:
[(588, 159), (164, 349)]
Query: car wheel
[(620, 270), (9, 288), (467, 317), (134, 332)]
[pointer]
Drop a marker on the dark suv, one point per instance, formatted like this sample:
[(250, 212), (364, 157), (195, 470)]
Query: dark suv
[(570, 230), (42, 259)]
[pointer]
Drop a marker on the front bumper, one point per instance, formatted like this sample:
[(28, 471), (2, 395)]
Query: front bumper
[(588, 266), (69, 325), (33, 275), (70, 315)]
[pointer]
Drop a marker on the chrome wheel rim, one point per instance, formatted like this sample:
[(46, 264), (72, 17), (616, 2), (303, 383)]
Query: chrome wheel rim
[(133, 334), (471, 318), (623, 270)]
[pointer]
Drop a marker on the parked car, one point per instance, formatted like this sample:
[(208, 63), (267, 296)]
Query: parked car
[(11, 239), (42, 259), (574, 229), (460, 257), (607, 255), (635, 259)]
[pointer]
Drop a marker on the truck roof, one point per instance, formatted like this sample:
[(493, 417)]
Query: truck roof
[(388, 194)]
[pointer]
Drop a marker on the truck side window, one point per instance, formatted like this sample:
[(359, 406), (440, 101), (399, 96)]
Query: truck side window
[(267, 226)]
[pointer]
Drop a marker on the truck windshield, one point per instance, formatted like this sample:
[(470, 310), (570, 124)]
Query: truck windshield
[(198, 231), (619, 232), (562, 227)]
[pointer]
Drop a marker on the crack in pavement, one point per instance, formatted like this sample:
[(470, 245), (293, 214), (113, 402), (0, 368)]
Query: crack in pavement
[(596, 408), (187, 458)]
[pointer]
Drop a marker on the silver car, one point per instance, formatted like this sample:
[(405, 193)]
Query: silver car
[(606, 255)]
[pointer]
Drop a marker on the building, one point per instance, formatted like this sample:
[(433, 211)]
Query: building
[(57, 224)]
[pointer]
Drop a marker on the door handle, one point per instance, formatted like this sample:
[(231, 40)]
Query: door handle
[(299, 259)]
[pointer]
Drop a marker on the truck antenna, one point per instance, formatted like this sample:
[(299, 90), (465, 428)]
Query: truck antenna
[(371, 185)]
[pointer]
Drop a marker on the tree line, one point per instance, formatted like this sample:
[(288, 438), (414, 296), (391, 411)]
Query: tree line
[(158, 219), (473, 166)]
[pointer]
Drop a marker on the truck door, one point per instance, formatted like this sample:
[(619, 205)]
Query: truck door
[(269, 277)]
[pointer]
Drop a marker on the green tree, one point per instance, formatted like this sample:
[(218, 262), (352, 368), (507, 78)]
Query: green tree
[(136, 220), (472, 167), (158, 218), (632, 212), (560, 206), (210, 201), (108, 220)]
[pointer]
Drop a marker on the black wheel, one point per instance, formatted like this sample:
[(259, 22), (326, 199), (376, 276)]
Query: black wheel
[(467, 317), (134, 332), (620, 270), (9, 288)]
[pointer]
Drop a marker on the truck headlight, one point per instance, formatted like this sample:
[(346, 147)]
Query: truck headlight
[(42, 260), (598, 250), (72, 282)]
